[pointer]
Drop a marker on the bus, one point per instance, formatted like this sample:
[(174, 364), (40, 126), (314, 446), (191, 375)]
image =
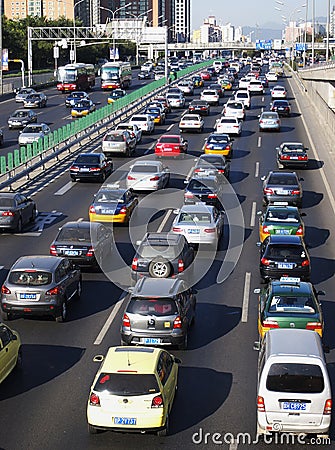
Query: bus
[(73, 77), (115, 75)]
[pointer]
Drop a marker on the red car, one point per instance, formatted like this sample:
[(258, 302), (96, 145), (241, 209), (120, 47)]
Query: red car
[(171, 145), (205, 75)]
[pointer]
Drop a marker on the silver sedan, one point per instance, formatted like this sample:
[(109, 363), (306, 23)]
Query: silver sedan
[(148, 176), (199, 223)]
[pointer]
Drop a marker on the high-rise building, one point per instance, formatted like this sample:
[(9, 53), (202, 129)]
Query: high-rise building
[(182, 20)]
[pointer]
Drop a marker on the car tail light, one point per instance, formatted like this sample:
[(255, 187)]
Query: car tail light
[(125, 321), (222, 170), (130, 178), (300, 231), (315, 326), (180, 265), (157, 402), (265, 229), (177, 229), (285, 157), (268, 191), (94, 169), (74, 168), (268, 323), (177, 322), (209, 230), (7, 214), (92, 210), (188, 195), (53, 250), (328, 407), (265, 262), (260, 404), (156, 178), (302, 158), (212, 196), (94, 400), (123, 210), (295, 192), (90, 252), (261, 121), (5, 290), (305, 263), (134, 264), (54, 291)]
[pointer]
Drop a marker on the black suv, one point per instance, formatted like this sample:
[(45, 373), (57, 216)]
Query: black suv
[(161, 255), (282, 256), (158, 312), (204, 188), (212, 164)]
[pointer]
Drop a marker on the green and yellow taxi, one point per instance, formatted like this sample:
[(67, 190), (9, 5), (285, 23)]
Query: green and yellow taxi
[(197, 81), (226, 85), (116, 94), (10, 351), (82, 108), (156, 113), (289, 303), (113, 204), (280, 219), (133, 390)]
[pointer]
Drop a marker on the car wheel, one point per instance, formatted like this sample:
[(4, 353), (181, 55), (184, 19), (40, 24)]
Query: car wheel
[(73, 178), (92, 429), (183, 345), (78, 291), (165, 430), (102, 177), (280, 165), (63, 312), (5, 316), (159, 268), (18, 228), (19, 359), (33, 215)]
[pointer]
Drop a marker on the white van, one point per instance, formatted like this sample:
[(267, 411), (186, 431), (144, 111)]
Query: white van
[(294, 394), (243, 96), (217, 66)]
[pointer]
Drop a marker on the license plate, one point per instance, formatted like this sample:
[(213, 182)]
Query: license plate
[(28, 296), (294, 157), (282, 192), (282, 232), (84, 169), (124, 421), (71, 252), (107, 211), (152, 341), (285, 266), (294, 406), (168, 149), (193, 231)]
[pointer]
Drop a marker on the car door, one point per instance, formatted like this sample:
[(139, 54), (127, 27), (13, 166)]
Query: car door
[(69, 278), (25, 208), (167, 376), (8, 352), (186, 311)]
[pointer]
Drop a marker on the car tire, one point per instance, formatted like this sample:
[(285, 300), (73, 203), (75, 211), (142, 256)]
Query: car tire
[(102, 177), (63, 313), (183, 345), (33, 215), (280, 165), (5, 316), (165, 430), (92, 429), (78, 291), (159, 268), (19, 359), (18, 228)]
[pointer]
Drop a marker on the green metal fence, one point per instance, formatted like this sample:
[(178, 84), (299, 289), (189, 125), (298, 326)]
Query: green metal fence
[(60, 135)]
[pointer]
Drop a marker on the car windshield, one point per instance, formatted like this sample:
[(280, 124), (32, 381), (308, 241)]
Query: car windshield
[(30, 278), (294, 377), (88, 159), (145, 168), (205, 185), (109, 197), (32, 129), (126, 383), (169, 140), (82, 104), (20, 114), (292, 304), (33, 97), (285, 251), (152, 306), (74, 235), (194, 217), (283, 179), (77, 95), (282, 216)]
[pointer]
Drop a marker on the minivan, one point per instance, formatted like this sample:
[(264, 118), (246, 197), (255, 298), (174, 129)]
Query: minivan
[(294, 393)]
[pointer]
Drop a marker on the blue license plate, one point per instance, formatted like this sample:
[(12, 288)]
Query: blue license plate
[(107, 211), (282, 232), (124, 421), (285, 266), (71, 252), (28, 296), (294, 406), (193, 231), (152, 341)]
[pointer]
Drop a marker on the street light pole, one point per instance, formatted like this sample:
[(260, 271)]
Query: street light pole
[(137, 33), (113, 16), (74, 31), (328, 30), (313, 29)]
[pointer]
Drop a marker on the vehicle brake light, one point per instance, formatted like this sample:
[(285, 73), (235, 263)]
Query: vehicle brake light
[(94, 400), (295, 192), (74, 168), (7, 214), (94, 169), (260, 404), (157, 402), (92, 210), (328, 407), (54, 291), (268, 323), (265, 262), (188, 195), (130, 178), (314, 326), (177, 229), (285, 157), (212, 196), (156, 178), (268, 191), (305, 263), (209, 230), (123, 210), (53, 250), (300, 231), (90, 252), (125, 321), (134, 264), (265, 229), (302, 158), (5, 290), (177, 322), (180, 265)]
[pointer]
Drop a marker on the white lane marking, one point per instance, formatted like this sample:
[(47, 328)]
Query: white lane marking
[(80, 219), (65, 188), (1, 267), (166, 218), (257, 169), (263, 99), (108, 322), (188, 176), (233, 445), (253, 214), (169, 128), (29, 233), (246, 295), (259, 142), (150, 148)]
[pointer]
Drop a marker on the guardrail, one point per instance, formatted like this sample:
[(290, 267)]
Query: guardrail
[(23, 161)]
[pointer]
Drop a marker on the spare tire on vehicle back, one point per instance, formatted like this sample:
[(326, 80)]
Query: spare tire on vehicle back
[(160, 268)]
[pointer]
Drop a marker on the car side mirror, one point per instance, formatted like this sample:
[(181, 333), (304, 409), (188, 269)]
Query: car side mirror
[(177, 360), (301, 179), (98, 358), (257, 346), (303, 214), (321, 293), (14, 337), (259, 213), (326, 348), (259, 116), (185, 181), (263, 178)]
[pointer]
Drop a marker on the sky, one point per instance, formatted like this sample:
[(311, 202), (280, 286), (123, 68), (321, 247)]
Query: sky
[(252, 12)]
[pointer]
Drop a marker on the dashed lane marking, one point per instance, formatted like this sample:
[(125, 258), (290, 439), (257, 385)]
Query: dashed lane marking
[(109, 321), (259, 142), (253, 214), (169, 128), (257, 169), (246, 295), (65, 188), (166, 218)]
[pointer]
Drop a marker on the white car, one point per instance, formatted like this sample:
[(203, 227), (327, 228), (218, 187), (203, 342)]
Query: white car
[(176, 100), (271, 76), (133, 129), (22, 93), (144, 121), (211, 96), (146, 175), (191, 122), (244, 97), (186, 87), (255, 87), (228, 125), (278, 92), (244, 82), (234, 109), (199, 223), (33, 132), (148, 66)]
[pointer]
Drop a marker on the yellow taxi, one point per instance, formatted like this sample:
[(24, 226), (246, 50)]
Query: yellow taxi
[(82, 108), (219, 144), (280, 219), (113, 205), (10, 351), (226, 85), (133, 390)]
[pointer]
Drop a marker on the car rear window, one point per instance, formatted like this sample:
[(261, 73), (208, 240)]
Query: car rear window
[(74, 235), (169, 140), (152, 306), (293, 149), (283, 179), (139, 119), (218, 139), (195, 217), (6, 202), (223, 121), (199, 185), (88, 159), (285, 251), (114, 137), (166, 251), (145, 168), (214, 160), (292, 304), (126, 383), (283, 216), (294, 377), (30, 278)]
